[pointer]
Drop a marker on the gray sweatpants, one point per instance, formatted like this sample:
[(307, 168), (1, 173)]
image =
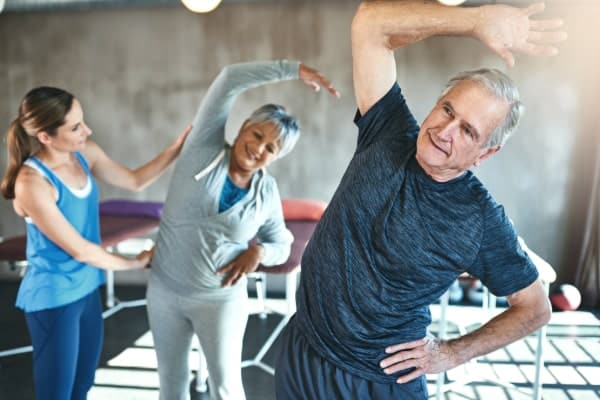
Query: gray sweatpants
[(220, 326)]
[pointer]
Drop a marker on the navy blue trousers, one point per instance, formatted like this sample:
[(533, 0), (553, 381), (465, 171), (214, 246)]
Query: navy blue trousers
[(67, 342), (302, 374)]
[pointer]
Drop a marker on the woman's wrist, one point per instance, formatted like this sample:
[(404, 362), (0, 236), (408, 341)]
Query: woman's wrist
[(260, 251)]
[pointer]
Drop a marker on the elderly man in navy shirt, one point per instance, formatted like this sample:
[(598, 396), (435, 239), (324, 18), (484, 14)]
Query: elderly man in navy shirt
[(409, 216)]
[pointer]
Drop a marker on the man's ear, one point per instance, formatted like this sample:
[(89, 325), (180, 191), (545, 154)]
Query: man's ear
[(43, 137), (485, 154)]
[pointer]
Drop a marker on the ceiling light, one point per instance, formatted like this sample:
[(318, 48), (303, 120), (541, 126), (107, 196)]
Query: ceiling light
[(452, 2), (201, 6)]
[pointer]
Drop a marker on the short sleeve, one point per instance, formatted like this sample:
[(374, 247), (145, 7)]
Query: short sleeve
[(389, 118), (502, 265)]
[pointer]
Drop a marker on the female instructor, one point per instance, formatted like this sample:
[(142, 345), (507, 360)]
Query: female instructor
[(50, 178)]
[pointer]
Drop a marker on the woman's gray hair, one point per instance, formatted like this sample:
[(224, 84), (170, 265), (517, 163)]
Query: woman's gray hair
[(501, 86), (289, 129)]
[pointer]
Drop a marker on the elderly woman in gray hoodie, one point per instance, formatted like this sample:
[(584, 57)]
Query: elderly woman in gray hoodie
[(220, 197)]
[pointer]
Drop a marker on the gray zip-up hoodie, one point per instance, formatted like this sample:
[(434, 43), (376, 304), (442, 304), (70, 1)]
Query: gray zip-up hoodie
[(194, 239)]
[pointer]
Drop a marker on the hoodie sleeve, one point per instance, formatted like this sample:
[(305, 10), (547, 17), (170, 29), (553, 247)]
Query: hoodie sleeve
[(208, 126), (273, 235)]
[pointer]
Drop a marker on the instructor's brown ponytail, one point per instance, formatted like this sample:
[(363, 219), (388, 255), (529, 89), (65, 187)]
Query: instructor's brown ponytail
[(43, 109)]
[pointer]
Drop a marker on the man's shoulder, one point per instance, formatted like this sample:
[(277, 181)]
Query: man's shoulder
[(477, 190), (392, 102), (491, 209)]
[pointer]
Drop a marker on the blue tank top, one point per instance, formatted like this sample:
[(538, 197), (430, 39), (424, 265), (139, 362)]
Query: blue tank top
[(53, 277)]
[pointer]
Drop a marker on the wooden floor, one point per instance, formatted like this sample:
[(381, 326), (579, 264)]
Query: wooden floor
[(128, 364)]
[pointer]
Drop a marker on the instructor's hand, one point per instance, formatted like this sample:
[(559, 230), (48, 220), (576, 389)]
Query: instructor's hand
[(142, 260)]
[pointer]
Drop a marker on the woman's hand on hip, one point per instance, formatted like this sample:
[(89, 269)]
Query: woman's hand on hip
[(242, 265)]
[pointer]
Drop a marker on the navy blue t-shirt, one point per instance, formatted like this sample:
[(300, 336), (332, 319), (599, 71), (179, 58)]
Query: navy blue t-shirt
[(390, 243)]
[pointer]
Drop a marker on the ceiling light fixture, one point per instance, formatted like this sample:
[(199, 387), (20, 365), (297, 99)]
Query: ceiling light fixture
[(201, 6), (452, 2)]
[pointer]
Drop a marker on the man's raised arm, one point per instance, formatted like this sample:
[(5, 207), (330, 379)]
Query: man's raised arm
[(380, 27)]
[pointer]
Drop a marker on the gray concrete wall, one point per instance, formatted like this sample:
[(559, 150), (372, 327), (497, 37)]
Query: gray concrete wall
[(140, 74)]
